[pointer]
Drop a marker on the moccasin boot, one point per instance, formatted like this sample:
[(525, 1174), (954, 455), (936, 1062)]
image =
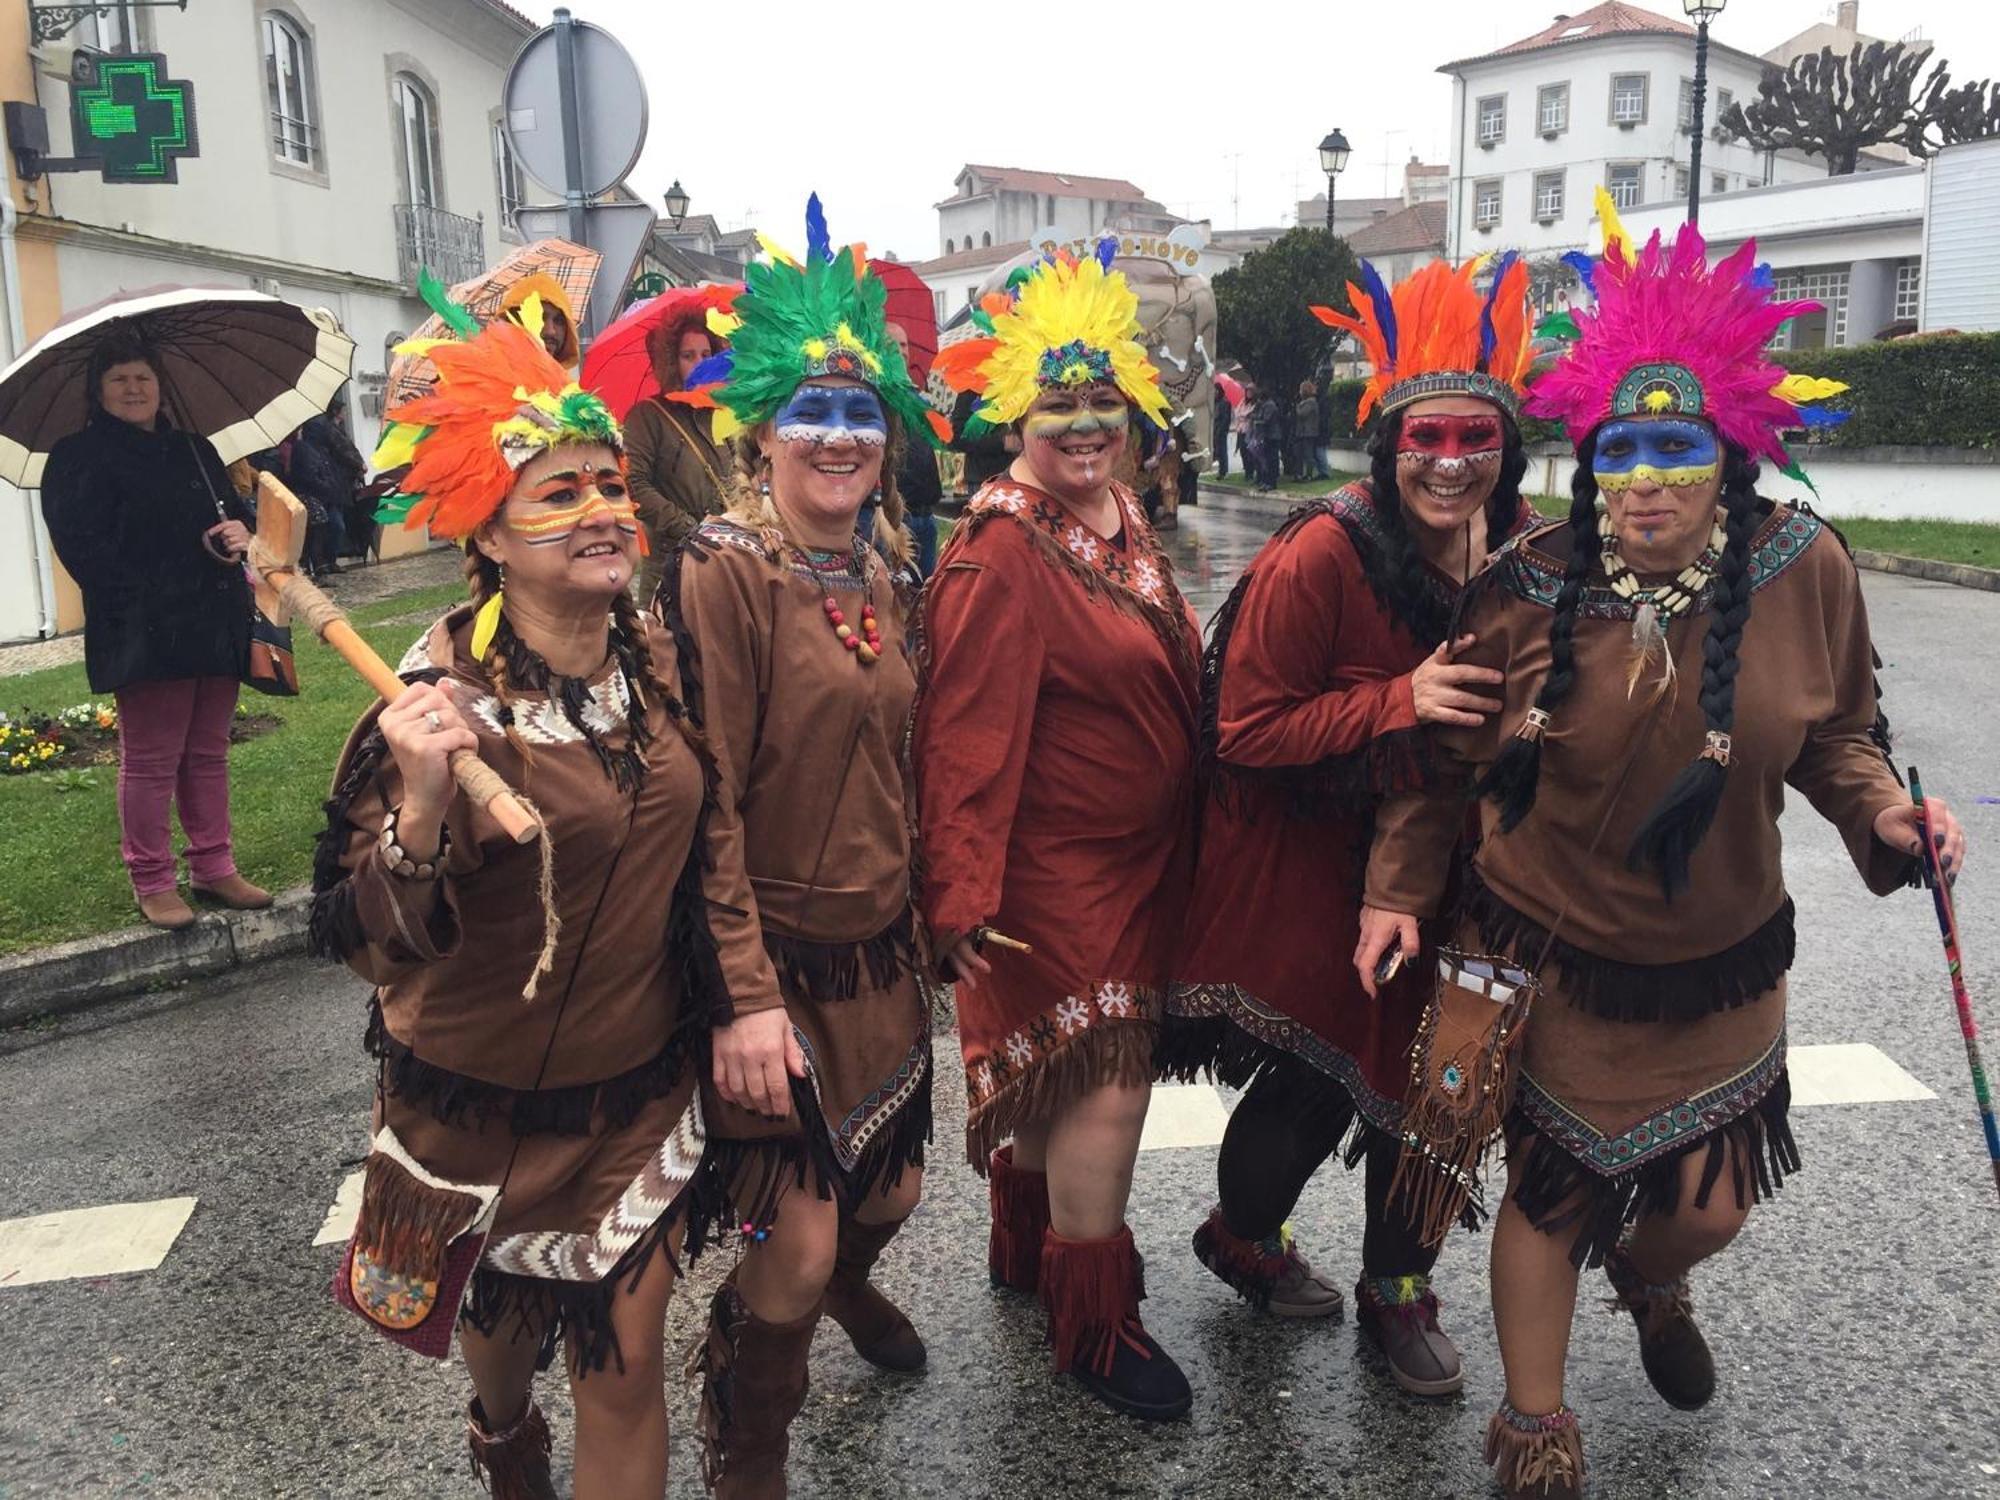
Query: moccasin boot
[(1020, 1201), (1091, 1290), (166, 910), (753, 1383), (1400, 1313), (513, 1463), (881, 1333), (1269, 1273), (1536, 1458), (1675, 1355), (234, 892)]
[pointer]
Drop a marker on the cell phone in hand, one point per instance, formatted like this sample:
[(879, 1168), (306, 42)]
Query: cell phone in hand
[(1389, 965)]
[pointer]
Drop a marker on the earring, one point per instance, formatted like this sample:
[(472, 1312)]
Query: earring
[(764, 487), (875, 495)]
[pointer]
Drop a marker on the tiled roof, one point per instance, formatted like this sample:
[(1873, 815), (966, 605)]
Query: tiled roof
[(1611, 18), (970, 259), (1418, 227), (1062, 184), (512, 14)]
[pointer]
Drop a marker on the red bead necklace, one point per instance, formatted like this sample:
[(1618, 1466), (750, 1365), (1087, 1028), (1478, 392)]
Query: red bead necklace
[(867, 645)]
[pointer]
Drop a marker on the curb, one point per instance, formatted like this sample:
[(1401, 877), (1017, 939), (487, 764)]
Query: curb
[(70, 976), (1965, 575)]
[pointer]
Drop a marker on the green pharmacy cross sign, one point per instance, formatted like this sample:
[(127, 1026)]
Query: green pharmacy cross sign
[(128, 119)]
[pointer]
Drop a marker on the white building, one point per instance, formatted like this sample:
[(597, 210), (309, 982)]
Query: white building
[(342, 142), (1600, 97)]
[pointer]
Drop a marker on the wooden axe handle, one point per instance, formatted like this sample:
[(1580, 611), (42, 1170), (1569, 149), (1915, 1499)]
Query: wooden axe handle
[(480, 781)]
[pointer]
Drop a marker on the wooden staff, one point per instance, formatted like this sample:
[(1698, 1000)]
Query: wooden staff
[(283, 591)]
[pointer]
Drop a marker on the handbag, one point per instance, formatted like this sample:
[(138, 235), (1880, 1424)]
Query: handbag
[(269, 667)]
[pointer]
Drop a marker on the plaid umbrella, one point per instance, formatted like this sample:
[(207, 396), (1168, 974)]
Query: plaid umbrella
[(572, 266), (242, 369)]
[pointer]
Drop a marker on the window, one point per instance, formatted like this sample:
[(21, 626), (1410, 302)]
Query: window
[(1680, 182), (950, 247), (1552, 108), (1823, 284), (1050, 216), (1486, 203), (417, 141), (1684, 112), (1718, 182), (1624, 185), (986, 239), (1628, 99), (506, 174), (1909, 291), (1548, 197), (111, 30), (290, 90), (1492, 119), (1723, 100)]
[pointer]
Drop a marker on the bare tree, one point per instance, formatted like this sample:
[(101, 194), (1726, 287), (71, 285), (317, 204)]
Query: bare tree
[(1836, 107)]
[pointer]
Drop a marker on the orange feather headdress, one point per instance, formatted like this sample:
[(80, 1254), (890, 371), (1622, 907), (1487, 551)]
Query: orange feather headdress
[(1437, 335)]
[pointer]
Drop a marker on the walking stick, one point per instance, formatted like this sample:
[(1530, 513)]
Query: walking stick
[(1947, 916), (281, 591)]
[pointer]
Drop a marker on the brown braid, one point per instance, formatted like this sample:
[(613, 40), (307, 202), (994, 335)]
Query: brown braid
[(482, 577)]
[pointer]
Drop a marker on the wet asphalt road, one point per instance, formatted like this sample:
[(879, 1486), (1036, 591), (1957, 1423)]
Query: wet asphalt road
[(1857, 1323)]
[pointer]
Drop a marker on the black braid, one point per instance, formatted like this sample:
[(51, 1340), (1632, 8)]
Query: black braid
[(1514, 775), (1666, 841)]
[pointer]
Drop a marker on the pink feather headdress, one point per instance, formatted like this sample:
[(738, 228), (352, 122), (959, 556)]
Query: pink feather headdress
[(1669, 335)]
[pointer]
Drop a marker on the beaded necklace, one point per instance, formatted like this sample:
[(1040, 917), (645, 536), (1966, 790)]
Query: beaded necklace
[(849, 568), (1656, 604)]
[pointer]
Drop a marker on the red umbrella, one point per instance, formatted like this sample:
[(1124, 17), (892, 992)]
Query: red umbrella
[(1231, 391), (913, 307), (619, 366)]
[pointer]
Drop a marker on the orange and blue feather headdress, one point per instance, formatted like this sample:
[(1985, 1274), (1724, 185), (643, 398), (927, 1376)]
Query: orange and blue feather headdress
[(1438, 335)]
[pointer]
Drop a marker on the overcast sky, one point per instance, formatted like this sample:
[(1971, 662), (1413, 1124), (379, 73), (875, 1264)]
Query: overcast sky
[(1215, 109)]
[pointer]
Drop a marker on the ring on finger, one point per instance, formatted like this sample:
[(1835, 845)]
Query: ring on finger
[(431, 720)]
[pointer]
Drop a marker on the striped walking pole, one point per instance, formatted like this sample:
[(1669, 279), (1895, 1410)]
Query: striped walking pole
[(1947, 916)]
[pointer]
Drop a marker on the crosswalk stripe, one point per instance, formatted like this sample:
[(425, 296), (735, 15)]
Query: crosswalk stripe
[(1183, 1114), (1849, 1073), (338, 1224), (104, 1241)]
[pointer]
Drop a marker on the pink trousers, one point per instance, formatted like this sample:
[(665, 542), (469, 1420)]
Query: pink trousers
[(173, 750)]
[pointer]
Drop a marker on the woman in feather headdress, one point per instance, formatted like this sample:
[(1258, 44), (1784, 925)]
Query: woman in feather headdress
[(1678, 652), (819, 1101), (1054, 748), (538, 1010), (1324, 670)]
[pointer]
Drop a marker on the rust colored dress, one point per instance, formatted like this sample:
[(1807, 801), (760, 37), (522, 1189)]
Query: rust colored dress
[(580, 1103), (1054, 753), (808, 740)]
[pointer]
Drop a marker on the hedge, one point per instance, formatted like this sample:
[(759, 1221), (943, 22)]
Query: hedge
[(1939, 390)]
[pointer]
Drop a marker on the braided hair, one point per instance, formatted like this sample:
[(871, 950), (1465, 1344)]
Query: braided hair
[(1404, 584), (1667, 839)]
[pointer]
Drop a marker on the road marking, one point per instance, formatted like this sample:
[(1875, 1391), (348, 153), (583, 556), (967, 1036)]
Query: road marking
[(1184, 1114), (338, 1224), (1849, 1073), (104, 1241)]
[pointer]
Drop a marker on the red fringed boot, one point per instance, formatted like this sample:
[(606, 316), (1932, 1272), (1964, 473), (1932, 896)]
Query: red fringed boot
[(1092, 1290), (513, 1463), (1269, 1274), (881, 1333), (1020, 1218), (1536, 1458), (753, 1383)]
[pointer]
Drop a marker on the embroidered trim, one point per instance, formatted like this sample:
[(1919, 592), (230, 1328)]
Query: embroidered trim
[(1022, 1049), (1665, 1130), (723, 533), (1781, 541), (1273, 1028), (1148, 575), (852, 1137), (539, 719)]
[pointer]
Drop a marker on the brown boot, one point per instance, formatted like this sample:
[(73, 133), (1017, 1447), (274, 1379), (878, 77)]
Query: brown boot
[(1536, 1458), (165, 910), (882, 1335), (512, 1464), (1020, 1201), (753, 1383), (1675, 1355), (1400, 1313), (234, 892)]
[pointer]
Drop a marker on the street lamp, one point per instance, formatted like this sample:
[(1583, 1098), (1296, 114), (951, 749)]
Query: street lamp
[(1333, 154), (677, 203), (1701, 12)]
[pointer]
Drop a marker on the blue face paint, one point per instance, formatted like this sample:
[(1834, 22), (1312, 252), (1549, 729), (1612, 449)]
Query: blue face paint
[(1671, 451), (825, 414)]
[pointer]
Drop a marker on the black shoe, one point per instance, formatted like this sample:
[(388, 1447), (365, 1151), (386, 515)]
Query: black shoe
[(1143, 1382)]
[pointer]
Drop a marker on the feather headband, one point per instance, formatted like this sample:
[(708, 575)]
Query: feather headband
[(797, 320), (1669, 334), (499, 400), (1060, 322), (1438, 335)]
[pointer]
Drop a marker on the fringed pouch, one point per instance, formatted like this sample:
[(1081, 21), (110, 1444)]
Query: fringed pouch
[(1462, 1070), (414, 1248)]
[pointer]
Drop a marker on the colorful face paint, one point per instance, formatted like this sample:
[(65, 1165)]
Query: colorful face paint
[(826, 414), (1066, 417), (1449, 452), (559, 503), (1670, 451)]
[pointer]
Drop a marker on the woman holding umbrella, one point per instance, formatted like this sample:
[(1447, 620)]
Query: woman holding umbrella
[(143, 516), (677, 469)]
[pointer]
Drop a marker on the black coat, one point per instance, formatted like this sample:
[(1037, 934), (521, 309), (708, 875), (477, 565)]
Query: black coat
[(325, 466), (127, 509)]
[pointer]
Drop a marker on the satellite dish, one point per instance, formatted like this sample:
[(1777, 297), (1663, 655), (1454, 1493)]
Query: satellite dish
[(610, 108)]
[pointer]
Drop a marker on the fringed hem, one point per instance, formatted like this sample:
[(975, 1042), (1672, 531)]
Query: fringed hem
[(826, 973), (577, 1313), (1090, 1288), (1616, 991), (1253, 1267), (1536, 1454), (581, 1109), (1337, 787), (1559, 1193), (1019, 1201), (405, 1225), (1119, 1051)]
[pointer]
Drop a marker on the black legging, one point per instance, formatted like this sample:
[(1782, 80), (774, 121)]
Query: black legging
[(1290, 1120)]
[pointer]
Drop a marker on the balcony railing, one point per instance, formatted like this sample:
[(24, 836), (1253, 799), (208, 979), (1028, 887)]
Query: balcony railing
[(453, 246)]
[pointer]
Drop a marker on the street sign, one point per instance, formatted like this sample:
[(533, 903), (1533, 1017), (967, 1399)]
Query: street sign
[(127, 118), (610, 103), (617, 231)]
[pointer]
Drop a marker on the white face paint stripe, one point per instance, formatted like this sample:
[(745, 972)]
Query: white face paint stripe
[(823, 434)]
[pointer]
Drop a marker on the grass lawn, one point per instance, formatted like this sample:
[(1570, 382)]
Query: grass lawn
[(60, 875), (1941, 541)]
